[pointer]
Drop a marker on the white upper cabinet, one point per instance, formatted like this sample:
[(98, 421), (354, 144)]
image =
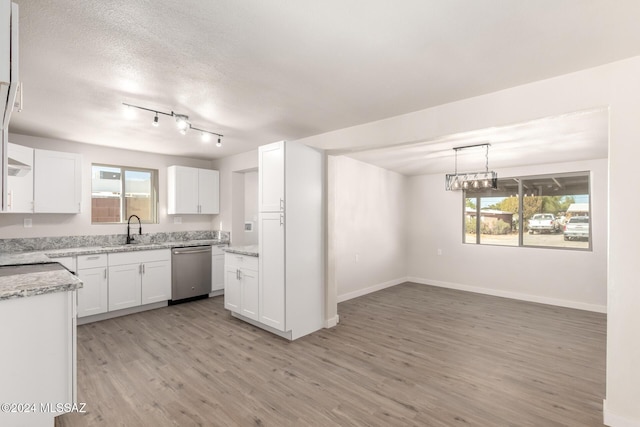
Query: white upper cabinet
[(19, 179), (192, 190), (209, 191), (57, 182), (271, 182), (9, 55)]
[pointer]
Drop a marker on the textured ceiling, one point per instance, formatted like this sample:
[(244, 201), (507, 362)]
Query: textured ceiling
[(259, 71)]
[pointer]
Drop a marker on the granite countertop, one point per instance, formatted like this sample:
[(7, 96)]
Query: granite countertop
[(250, 250), (26, 283), (57, 253), (30, 280)]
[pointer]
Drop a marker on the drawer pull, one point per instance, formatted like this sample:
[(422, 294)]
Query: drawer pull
[(93, 257)]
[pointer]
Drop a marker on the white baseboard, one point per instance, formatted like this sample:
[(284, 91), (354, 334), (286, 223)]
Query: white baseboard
[(330, 323), (370, 289), (614, 420), (513, 295)]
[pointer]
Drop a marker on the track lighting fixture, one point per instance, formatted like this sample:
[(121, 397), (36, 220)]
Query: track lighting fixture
[(463, 181), (182, 122)]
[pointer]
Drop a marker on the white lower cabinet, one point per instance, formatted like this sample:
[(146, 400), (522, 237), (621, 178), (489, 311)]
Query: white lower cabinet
[(217, 268), (241, 287), (156, 281), (124, 286), (121, 280), (140, 277), (93, 296)]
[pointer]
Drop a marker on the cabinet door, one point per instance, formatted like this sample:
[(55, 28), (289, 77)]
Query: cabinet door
[(250, 294), (20, 185), (182, 190), (209, 191), (93, 296), (124, 286), (57, 182), (217, 273), (272, 273), (232, 289), (271, 177), (156, 281)]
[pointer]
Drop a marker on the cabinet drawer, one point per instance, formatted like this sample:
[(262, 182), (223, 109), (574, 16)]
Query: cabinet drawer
[(138, 257), (92, 261), (241, 261)]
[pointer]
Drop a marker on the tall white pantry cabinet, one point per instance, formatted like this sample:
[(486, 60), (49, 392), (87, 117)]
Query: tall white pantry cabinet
[(290, 243)]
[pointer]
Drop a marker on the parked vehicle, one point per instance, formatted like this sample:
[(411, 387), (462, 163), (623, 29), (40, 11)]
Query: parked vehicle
[(577, 228), (543, 223)]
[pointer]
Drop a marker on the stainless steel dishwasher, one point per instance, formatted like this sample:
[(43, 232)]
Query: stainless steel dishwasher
[(190, 272)]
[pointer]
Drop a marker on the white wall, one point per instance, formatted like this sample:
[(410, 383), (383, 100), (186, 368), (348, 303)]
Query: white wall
[(45, 225), (230, 218), (615, 85), (369, 228), (251, 206), (568, 278)]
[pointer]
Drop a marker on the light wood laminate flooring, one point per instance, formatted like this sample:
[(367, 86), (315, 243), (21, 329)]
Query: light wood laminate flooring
[(410, 355)]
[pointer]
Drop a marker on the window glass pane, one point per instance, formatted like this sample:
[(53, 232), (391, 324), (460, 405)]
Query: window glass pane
[(118, 192), (139, 198), (555, 212), (470, 220), (549, 204), (106, 191), (498, 224)]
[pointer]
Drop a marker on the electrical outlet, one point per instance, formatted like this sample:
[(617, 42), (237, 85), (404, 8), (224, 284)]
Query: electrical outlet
[(357, 258), (177, 220), (27, 223), (439, 251)]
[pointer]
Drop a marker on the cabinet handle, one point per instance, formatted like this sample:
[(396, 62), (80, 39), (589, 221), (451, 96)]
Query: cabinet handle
[(105, 273), (93, 257), (281, 204), (281, 219), (10, 199), (144, 270), (79, 207)]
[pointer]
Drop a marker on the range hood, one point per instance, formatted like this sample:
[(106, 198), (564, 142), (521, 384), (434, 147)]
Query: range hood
[(16, 168)]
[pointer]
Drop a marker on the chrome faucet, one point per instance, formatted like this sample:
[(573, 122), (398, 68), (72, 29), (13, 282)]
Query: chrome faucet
[(130, 238)]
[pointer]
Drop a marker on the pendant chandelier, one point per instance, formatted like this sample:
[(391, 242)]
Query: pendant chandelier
[(466, 180)]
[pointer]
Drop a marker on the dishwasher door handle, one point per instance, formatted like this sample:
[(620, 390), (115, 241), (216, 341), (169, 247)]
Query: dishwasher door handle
[(192, 251)]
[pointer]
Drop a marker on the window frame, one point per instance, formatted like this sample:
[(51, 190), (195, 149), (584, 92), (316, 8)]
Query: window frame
[(521, 222), (123, 199)]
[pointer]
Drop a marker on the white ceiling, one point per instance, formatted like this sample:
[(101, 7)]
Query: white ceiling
[(259, 71), (580, 135)]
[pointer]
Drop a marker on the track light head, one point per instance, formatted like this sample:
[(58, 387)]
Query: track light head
[(155, 120), (219, 143), (182, 122)]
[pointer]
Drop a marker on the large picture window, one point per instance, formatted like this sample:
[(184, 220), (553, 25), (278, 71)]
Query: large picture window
[(118, 192), (545, 211)]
